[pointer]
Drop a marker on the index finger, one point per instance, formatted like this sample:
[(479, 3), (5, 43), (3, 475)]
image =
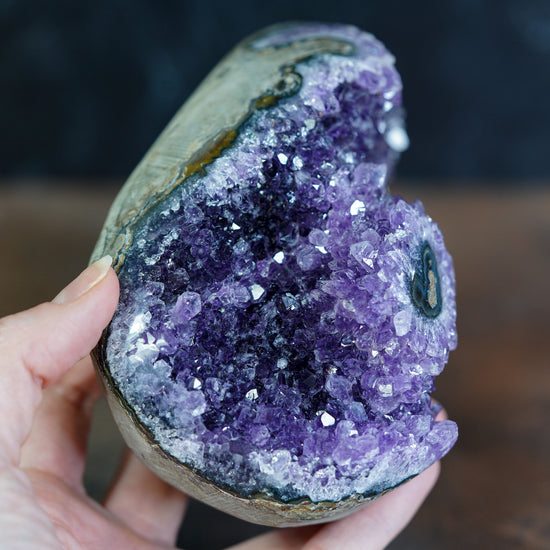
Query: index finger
[(39, 345)]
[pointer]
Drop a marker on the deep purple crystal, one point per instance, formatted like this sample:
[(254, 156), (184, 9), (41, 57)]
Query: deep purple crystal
[(282, 316)]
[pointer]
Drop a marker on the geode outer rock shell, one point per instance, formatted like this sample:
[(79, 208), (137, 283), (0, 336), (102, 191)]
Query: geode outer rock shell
[(282, 315)]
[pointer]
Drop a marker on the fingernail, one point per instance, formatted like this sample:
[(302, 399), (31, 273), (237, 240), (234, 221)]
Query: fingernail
[(90, 277)]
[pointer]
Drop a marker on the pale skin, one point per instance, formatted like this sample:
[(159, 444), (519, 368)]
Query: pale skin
[(47, 392)]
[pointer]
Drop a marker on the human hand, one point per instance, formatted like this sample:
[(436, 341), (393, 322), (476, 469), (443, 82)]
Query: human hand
[(47, 392)]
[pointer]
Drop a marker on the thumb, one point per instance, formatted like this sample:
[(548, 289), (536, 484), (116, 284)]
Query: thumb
[(39, 345)]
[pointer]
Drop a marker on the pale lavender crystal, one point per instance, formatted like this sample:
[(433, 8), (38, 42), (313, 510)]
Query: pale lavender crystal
[(188, 305), (282, 316)]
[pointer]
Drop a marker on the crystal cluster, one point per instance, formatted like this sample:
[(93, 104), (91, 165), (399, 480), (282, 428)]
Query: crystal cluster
[(283, 316)]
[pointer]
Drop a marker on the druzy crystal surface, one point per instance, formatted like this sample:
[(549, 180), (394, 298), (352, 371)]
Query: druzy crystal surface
[(282, 315)]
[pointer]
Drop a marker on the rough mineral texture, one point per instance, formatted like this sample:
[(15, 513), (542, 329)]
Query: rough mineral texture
[(283, 316)]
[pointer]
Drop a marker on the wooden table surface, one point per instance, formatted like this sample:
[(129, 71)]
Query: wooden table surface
[(494, 491)]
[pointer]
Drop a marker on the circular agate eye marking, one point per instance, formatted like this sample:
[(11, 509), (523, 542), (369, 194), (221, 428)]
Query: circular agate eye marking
[(426, 287)]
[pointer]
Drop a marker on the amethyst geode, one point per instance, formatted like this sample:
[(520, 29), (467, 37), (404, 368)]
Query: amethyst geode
[(282, 316)]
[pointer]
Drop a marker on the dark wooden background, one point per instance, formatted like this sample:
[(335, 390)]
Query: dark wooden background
[(494, 490)]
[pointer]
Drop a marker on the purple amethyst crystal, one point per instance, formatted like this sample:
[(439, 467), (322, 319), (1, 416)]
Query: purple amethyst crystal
[(282, 316)]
